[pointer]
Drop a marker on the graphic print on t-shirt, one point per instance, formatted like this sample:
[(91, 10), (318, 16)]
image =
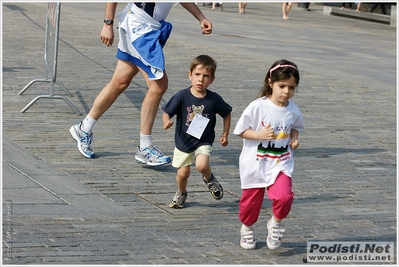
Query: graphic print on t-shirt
[(191, 111), (275, 150), (271, 152)]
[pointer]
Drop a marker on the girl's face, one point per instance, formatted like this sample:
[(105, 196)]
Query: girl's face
[(200, 78), (283, 90)]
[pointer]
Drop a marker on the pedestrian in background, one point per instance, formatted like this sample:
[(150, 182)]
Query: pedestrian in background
[(358, 6), (269, 127), (241, 7), (382, 6), (349, 4), (214, 6), (286, 9)]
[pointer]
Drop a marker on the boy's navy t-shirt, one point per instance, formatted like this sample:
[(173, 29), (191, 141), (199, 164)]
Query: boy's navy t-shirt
[(185, 105)]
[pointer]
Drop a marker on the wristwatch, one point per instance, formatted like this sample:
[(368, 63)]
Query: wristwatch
[(108, 21)]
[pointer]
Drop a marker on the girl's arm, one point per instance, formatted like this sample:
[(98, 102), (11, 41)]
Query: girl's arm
[(294, 143), (226, 129), (267, 133)]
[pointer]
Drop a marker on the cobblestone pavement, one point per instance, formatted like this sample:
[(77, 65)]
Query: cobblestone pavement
[(60, 208)]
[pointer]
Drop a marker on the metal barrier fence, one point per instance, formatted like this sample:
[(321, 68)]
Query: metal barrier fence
[(50, 58)]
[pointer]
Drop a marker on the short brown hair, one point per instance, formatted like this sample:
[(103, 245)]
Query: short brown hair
[(206, 61)]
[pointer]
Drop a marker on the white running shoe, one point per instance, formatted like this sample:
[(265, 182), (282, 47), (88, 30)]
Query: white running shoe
[(152, 156), (84, 140), (247, 238), (274, 236)]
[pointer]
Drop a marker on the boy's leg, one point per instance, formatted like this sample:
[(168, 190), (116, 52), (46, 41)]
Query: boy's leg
[(202, 165), (182, 162), (202, 155), (182, 178)]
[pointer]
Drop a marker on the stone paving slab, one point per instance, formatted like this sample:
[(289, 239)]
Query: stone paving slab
[(60, 208)]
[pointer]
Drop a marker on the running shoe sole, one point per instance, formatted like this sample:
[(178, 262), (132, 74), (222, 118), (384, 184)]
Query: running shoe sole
[(143, 161)]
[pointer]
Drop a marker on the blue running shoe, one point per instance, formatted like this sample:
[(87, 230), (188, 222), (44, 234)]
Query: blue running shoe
[(84, 140), (152, 156)]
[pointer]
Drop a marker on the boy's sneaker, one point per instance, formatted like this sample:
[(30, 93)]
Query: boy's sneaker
[(84, 140), (274, 235), (178, 200), (247, 238), (214, 187), (152, 156)]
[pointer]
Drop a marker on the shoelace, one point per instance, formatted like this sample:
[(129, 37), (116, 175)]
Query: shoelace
[(87, 140), (213, 187), (178, 198), (155, 151)]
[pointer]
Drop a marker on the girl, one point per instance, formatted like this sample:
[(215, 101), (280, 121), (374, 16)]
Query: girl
[(269, 127)]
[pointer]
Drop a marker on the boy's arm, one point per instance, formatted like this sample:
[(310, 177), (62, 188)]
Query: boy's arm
[(206, 25), (294, 143), (224, 139), (167, 122)]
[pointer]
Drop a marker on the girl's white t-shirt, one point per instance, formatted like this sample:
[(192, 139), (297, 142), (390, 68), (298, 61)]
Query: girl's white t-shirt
[(262, 160)]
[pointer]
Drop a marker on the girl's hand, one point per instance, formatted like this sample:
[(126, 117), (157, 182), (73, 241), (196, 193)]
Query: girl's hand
[(267, 133), (294, 144)]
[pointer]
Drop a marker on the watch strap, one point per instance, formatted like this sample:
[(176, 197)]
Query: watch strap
[(108, 21)]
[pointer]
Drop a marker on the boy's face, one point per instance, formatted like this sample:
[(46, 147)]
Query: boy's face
[(200, 78)]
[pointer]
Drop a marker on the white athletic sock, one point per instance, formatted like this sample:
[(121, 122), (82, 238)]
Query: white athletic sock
[(274, 223), (145, 141), (244, 227), (88, 124)]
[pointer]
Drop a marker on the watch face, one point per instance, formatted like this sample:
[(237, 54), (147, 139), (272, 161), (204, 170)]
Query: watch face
[(108, 21)]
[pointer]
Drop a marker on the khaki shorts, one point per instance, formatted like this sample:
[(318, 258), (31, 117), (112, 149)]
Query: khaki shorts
[(182, 159)]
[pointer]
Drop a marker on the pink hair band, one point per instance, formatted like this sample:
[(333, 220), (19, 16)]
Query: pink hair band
[(281, 66)]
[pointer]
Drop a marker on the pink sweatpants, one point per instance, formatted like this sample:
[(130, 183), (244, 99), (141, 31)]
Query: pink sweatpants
[(280, 193)]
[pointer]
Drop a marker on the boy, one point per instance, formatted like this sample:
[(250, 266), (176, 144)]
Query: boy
[(195, 109)]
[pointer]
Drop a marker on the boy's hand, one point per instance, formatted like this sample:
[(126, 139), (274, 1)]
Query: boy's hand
[(224, 141), (294, 144), (167, 124)]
